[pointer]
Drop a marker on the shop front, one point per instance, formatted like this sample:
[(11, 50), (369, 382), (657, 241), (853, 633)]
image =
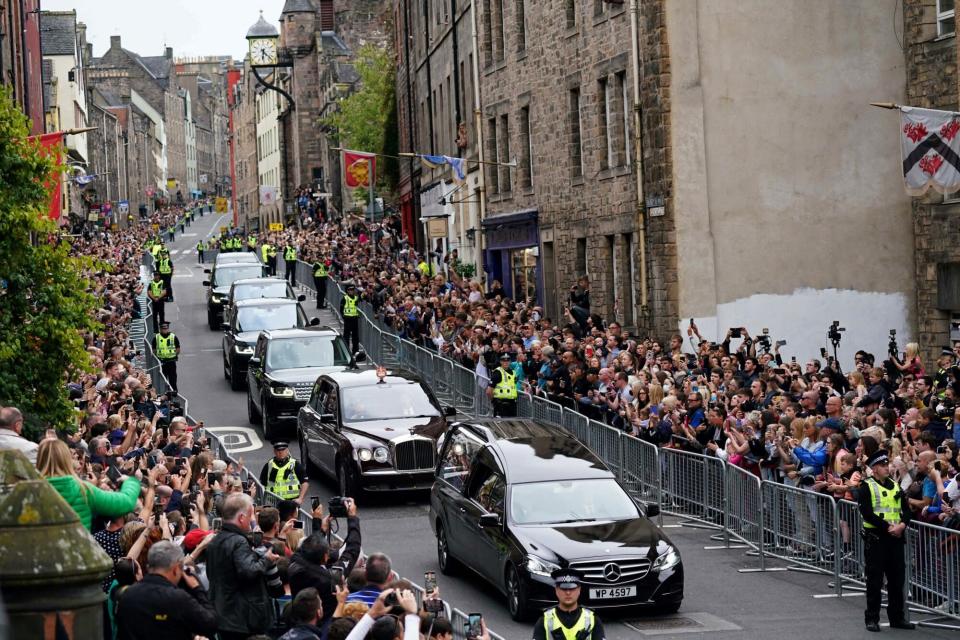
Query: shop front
[(512, 254)]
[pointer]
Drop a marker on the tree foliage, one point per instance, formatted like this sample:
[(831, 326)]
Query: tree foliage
[(365, 120), (44, 304)]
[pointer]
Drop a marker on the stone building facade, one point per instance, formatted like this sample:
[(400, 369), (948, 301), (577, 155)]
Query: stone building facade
[(246, 194), (21, 66), (930, 48)]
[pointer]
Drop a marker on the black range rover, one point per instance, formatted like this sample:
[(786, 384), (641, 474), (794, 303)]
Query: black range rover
[(514, 500)]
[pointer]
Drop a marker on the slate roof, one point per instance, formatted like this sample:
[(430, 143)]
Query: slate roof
[(262, 28), (58, 33), (333, 45), (158, 66), (298, 6)]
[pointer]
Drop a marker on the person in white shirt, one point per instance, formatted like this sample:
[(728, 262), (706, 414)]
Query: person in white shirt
[(11, 426)]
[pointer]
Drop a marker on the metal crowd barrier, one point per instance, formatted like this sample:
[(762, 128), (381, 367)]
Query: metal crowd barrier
[(809, 531)]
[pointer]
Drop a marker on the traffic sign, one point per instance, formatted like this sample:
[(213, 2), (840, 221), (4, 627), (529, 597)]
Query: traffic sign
[(276, 226)]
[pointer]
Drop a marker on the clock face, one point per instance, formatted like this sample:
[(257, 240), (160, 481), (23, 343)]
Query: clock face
[(263, 52)]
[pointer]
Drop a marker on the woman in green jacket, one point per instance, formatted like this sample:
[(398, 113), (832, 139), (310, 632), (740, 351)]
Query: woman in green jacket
[(55, 463)]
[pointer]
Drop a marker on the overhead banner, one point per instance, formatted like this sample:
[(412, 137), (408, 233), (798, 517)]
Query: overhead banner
[(359, 168), (268, 195), (930, 141), (51, 146)]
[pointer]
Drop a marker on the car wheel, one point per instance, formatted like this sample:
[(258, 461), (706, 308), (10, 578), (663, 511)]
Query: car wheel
[(226, 370), (236, 380), (266, 424), (252, 414), (516, 595), (347, 481), (212, 321), (448, 565)]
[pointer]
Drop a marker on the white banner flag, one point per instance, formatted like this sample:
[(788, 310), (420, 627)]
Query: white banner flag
[(268, 195), (931, 150)]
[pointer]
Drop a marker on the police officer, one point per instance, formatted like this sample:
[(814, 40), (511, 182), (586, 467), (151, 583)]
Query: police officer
[(503, 389), (568, 620), (290, 260), (157, 293), (350, 312), (165, 267), (272, 259), (886, 514), (200, 252), (320, 272), (167, 347), (284, 476), (252, 243)]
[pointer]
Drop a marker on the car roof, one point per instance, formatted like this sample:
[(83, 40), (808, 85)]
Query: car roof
[(265, 302), (368, 377), (307, 332), (535, 451), (258, 281), (236, 258)]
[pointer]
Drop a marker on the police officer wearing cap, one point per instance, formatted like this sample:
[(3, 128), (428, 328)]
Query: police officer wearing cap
[(885, 517), (350, 312), (284, 476), (503, 389), (167, 347), (568, 620)]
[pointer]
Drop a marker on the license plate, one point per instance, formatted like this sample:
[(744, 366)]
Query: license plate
[(605, 593)]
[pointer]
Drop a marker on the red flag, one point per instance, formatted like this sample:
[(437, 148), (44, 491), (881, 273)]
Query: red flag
[(358, 168), (51, 145)]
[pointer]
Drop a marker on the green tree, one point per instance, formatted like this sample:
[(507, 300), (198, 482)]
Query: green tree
[(45, 307), (366, 120)]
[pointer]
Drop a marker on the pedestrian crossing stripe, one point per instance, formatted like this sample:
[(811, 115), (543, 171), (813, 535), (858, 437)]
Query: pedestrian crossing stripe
[(174, 252)]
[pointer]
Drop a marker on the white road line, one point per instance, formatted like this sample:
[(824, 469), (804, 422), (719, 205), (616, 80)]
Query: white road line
[(182, 275), (238, 439), (189, 235), (174, 252)]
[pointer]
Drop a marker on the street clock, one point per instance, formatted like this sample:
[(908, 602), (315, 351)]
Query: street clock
[(264, 44)]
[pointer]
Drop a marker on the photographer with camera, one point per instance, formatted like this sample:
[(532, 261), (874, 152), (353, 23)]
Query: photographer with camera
[(168, 603), (315, 565), (243, 574)]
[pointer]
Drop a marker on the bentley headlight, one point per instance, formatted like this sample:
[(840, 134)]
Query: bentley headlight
[(381, 455), (667, 560), (365, 455), (540, 567)]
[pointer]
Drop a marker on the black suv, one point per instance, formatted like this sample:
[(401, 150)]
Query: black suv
[(516, 499), (251, 288), (218, 287), (284, 366), (372, 433), (245, 320)]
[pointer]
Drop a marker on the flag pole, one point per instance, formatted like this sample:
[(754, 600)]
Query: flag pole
[(885, 105), (404, 155)]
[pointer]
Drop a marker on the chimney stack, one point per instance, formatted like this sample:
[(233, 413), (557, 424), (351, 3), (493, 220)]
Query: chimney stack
[(327, 21), (114, 42), (169, 53)]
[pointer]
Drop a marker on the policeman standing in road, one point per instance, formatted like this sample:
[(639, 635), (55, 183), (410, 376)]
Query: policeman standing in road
[(503, 389), (165, 267), (320, 273), (568, 620), (290, 260), (272, 259), (200, 252), (157, 293), (252, 242), (167, 347), (284, 476), (886, 514), (350, 312)]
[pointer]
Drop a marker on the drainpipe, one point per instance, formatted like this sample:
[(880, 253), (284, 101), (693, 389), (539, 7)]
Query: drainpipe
[(478, 127), (638, 153)]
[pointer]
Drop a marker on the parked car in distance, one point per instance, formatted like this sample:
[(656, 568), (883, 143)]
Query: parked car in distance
[(372, 433), (283, 369), (516, 499), (245, 320)]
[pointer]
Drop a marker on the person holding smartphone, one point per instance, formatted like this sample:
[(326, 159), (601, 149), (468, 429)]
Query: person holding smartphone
[(568, 617)]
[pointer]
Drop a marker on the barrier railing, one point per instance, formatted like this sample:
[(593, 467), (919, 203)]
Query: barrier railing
[(808, 530)]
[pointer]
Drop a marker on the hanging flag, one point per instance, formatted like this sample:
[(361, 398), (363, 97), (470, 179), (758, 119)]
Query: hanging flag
[(84, 180), (51, 146), (458, 165), (268, 195), (432, 162), (931, 150), (359, 168)]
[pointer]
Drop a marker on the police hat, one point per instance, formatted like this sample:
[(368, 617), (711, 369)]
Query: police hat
[(351, 285), (280, 445), (164, 324), (878, 457), (504, 356), (566, 578)]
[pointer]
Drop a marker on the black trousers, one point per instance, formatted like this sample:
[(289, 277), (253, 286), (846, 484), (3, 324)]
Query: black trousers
[(351, 331), (200, 256), (158, 314), (504, 408), (883, 557), (168, 285), (291, 271), (320, 284), (169, 369), (272, 264)]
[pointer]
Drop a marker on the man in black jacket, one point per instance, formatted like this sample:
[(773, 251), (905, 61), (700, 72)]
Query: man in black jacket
[(242, 576), (169, 603), (310, 565)]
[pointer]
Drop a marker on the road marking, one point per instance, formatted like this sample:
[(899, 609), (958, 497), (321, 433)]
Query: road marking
[(238, 439), (216, 226), (182, 275), (174, 252), (189, 235)]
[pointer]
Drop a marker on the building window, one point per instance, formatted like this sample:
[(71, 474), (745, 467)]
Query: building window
[(624, 96), (581, 265), (493, 154), (503, 141), (521, 15), (570, 7), (946, 20), (576, 140), (613, 278), (598, 7), (526, 166), (605, 124), (488, 32), (498, 31)]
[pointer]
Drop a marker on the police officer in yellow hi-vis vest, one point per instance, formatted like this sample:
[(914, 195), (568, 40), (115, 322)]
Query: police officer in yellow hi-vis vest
[(886, 515), (165, 267), (167, 347), (503, 389), (321, 269), (157, 292), (350, 312), (290, 260), (568, 620), (284, 476)]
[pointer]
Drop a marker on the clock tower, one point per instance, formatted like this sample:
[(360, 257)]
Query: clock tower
[(264, 44)]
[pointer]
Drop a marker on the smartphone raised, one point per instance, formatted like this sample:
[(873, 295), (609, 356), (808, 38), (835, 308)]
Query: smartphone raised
[(429, 581), (298, 524), (217, 524), (336, 578), (473, 628), (314, 502)]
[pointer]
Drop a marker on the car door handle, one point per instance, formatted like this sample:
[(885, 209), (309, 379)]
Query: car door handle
[(463, 510)]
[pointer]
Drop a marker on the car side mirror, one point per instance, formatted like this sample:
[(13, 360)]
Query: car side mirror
[(315, 322), (489, 521), (301, 298), (360, 356), (449, 411), (254, 362), (206, 270), (224, 326), (205, 283), (651, 509)]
